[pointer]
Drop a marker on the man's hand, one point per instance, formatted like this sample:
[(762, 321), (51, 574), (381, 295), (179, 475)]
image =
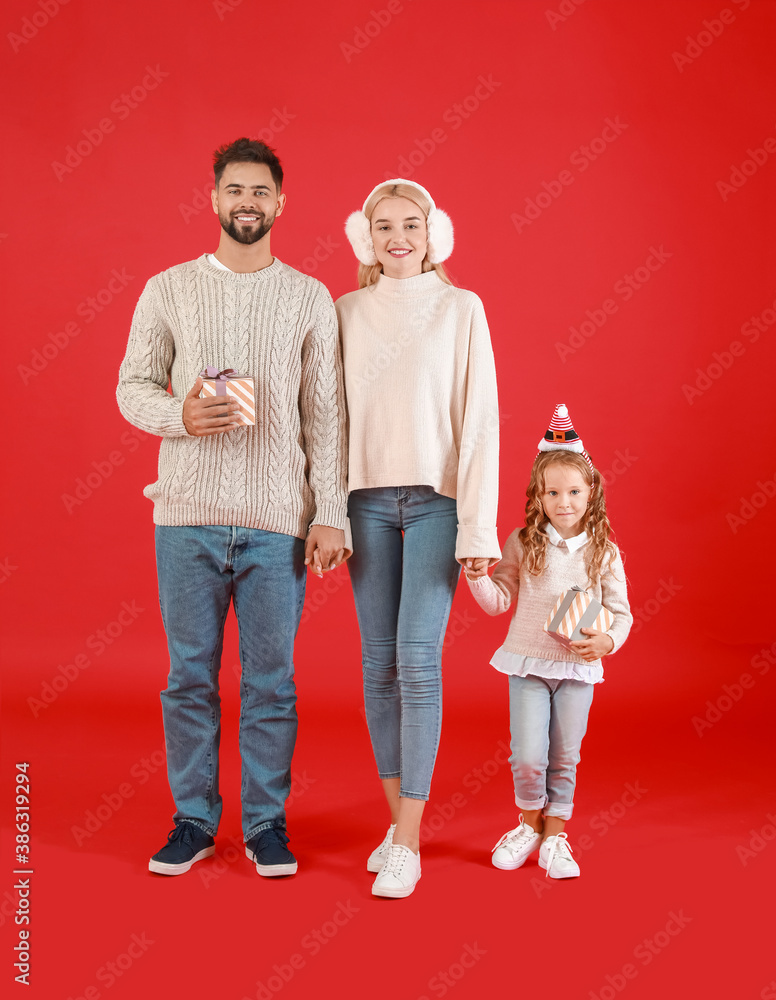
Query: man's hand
[(599, 644), (211, 415), (324, 548)]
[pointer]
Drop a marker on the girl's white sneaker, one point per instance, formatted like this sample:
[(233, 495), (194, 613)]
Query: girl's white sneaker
[(379, 854), (555, 856), (515, 846), (400, 873)]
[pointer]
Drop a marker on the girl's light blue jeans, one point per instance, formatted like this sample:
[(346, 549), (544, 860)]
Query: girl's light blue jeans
[(202, 570), (547, 719), (404, 576)]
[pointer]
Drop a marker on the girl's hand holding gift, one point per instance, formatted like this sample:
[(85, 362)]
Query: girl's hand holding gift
[(600, 644)]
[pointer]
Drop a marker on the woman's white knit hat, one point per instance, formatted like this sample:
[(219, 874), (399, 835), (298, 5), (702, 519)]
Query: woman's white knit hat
[(440, 228)]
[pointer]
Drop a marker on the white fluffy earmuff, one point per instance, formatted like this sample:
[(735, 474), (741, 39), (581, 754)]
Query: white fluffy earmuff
[(359, 232), (440, 228)]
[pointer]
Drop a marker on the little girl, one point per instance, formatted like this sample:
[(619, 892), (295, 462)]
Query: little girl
[(565, 542)]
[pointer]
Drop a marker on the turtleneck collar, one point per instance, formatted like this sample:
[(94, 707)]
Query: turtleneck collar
[(417, 286)]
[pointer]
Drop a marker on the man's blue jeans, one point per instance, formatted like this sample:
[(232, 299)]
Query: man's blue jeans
[(202, 569), (404, 576)]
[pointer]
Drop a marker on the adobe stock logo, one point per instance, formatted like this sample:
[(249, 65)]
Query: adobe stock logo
[(34, 23), (563, 13), (624, 288), (321, 252), (102, 469), (644, 953), (709, 33), (758, 841), (733, 694), (445, 979), (740, 174), (224, 7), (88, 309), (455, 116), (122, 107), (665, 593), (364, 36), (722, 361), (201, 196), (311, 945), (751, 505), (581, 158)]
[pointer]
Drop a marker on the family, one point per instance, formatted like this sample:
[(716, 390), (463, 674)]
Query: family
[(375, 441)]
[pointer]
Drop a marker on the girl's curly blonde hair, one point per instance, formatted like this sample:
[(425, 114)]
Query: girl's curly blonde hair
[(594, 521)]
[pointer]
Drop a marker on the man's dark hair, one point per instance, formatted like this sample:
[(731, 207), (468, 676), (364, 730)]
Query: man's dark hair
[(247, 151)]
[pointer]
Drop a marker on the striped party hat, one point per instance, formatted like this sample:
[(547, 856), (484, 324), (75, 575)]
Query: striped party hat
[(561, 435)]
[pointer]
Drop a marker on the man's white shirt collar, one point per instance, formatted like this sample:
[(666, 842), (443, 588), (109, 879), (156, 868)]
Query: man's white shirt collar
[(572, 543), (212, 259)]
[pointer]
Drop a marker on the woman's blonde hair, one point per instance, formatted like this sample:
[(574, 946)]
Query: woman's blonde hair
[(369, 273), (594, 521)]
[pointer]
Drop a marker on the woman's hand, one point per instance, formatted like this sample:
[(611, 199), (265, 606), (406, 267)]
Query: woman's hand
[(599, 644), (475, 568), (324, 549)]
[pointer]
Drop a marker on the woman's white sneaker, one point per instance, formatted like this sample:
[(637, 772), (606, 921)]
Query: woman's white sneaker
[(400, 873), (379, 854), (555, 856), (515, 846)]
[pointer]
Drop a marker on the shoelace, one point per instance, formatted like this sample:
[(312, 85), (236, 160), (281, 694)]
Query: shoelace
[(387, 840), (272, 836), (394, 863), (562, 848), (181, 832), (520, 836)]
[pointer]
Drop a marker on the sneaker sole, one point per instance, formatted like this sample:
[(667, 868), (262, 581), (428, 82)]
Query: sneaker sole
[(507, 866), (270, 871), (396, 893), (162, 868), (575, 874)]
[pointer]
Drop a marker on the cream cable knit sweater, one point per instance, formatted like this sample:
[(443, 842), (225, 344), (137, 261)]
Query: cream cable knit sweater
[(422, 399), (289, 470), (536, 597)]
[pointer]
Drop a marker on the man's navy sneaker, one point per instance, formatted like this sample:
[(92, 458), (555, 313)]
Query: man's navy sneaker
[(186, 845), (268, 850)]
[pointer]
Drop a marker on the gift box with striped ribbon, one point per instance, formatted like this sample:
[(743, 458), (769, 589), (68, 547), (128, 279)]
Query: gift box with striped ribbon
[(228, 383), (576, 610)]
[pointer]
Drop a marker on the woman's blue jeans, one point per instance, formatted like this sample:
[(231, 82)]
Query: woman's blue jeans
[(202, 569), (404, 576)]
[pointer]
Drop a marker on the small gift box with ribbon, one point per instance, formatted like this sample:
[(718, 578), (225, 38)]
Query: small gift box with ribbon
[(574, 611), (228, 383)]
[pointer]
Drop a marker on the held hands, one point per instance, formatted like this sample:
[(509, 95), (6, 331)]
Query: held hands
[(324, 548), (599, 644), (211, 415), (475, 568)]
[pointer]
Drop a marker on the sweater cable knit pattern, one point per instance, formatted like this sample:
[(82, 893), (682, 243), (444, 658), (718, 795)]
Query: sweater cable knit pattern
[(277, 325)]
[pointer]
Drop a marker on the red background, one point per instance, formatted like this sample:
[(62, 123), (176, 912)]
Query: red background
[(344, 102)]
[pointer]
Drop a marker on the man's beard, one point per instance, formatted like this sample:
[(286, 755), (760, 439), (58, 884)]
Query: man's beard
[(246, 234)]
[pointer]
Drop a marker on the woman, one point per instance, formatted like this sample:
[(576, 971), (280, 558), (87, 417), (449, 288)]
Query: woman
[(423, 482)]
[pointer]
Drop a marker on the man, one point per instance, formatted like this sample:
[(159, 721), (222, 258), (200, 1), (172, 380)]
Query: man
[(239, 510)]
